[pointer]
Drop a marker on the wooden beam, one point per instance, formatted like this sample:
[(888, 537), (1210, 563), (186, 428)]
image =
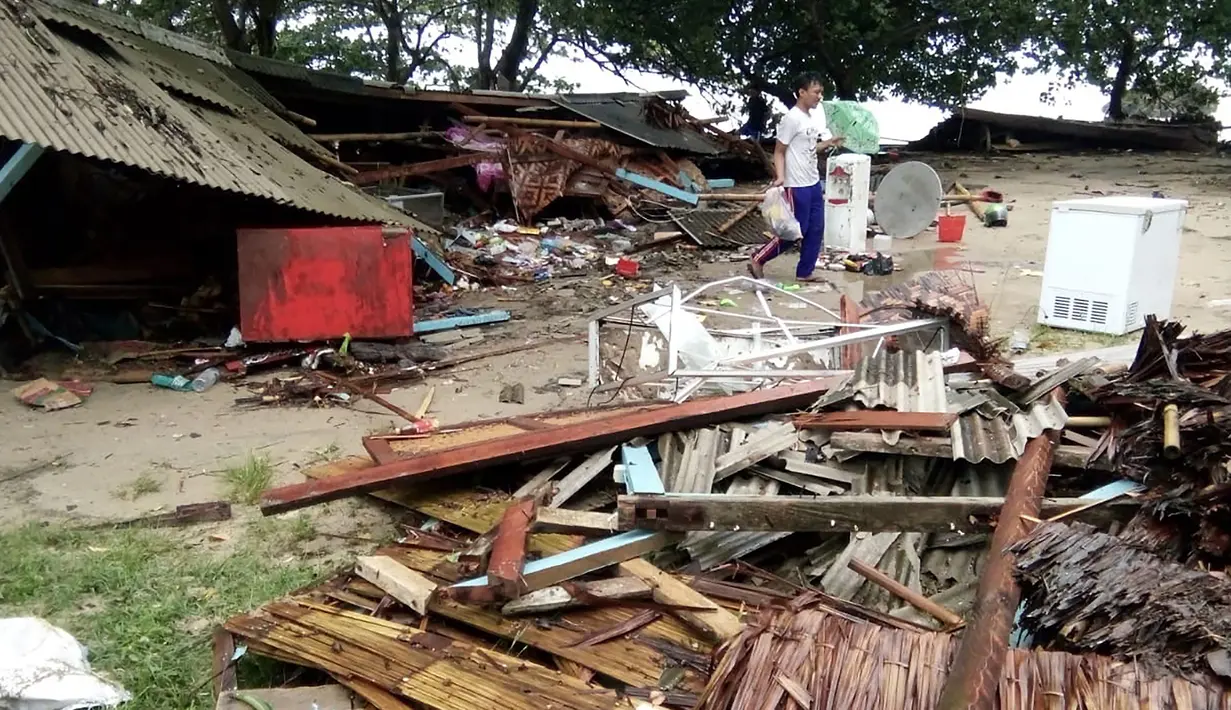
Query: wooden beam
[(530, 122), (225, 676), (553, 570), (356, 137), (508, 558), (846, 513), (425, 168), (403, 584), (640, 473), (905, 593), (541, 480), (876, 419), (575, 480), (715, 623), (576, 594), (942, 448), (574, 522), (561, 441)]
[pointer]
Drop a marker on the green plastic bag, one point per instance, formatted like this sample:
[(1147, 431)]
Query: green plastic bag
[(854, 123)]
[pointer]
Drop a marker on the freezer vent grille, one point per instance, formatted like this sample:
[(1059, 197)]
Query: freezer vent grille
[(1084, 310), (1130, 316)]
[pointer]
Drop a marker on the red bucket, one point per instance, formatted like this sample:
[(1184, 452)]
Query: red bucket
[(949, 227)]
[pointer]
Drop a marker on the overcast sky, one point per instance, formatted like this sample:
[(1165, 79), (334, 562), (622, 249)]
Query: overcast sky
[(897, 119)]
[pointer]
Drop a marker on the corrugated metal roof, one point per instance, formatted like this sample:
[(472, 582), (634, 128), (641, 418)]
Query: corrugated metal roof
[(623, 115), (990, 427), (702, 225), (711, 549), (96, 103), (99, 18)]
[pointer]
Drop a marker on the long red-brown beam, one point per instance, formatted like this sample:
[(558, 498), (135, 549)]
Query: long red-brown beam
[(552, 443)]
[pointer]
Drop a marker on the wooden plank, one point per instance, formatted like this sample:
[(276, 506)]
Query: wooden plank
[(425, 168), (564, 440), (225, 677), (574, 522), (846, 513), (508, 556), (405, 585), (353, 137), (716, 623), (576, 594), (541, 480), (634, 661), (942, 448), (887, 419), (760, 446), (440, 673), (530, 122), (581, 560), (575, 480)]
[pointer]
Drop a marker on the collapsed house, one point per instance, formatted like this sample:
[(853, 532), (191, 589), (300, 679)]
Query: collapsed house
[(919, 530)]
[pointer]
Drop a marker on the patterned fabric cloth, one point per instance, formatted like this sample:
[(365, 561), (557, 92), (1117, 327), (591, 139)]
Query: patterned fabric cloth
[(539, 176)]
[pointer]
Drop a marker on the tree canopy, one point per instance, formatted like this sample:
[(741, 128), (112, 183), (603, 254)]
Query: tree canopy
[(938, 52)]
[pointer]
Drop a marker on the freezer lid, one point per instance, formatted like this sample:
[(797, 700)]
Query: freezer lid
[(1121, 204)]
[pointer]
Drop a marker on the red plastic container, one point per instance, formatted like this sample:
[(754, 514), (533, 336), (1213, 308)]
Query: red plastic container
[(628, 268), (950, 227)]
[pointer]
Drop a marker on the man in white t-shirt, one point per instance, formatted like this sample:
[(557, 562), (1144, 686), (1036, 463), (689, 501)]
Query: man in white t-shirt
[(795, 166)]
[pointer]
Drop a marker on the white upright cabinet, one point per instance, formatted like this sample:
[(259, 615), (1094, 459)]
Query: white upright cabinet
[(847, 182), (1111, 261)]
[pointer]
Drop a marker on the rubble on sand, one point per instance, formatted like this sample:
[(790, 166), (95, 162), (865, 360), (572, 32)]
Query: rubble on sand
[(856, 540)]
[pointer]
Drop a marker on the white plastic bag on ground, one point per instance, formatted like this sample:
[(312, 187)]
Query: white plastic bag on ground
[(44, 668), (777, 211)]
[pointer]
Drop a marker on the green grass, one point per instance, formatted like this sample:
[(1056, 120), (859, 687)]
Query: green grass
[(144, 603), (142, 485), (248, 480), (1046, 339)]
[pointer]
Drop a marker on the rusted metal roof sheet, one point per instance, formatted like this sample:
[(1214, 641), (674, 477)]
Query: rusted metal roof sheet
[(623, 113), (1003, 438), (702, 225), (95, 102)]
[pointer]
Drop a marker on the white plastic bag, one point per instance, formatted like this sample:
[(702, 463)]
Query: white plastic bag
[(777, 211), (43, 667)]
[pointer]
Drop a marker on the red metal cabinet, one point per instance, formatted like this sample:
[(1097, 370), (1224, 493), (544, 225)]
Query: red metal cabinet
[(320, 283)]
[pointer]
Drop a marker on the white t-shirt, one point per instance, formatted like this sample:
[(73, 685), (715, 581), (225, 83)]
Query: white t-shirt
[(800, 132)]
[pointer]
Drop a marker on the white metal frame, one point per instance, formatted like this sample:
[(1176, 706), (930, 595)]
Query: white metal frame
[(687, 382)]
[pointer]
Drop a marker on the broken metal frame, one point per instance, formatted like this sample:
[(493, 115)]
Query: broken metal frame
[(729, 368)]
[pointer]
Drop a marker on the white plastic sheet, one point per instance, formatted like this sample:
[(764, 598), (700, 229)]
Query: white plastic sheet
[(43, 667)]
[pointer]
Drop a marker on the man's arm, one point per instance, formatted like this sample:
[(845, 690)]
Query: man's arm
[(779, 163)]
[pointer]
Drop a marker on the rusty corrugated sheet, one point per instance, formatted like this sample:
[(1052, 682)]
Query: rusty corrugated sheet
[(61, 95), (702, 225), (990, 428)]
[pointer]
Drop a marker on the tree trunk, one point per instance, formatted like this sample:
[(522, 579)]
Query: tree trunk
[(519, 43), (484, 36), (1124, 71), (391, 15), (265, 26), (233, 35)]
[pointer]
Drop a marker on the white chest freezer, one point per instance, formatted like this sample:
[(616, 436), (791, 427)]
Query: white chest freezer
[(1110, 262)]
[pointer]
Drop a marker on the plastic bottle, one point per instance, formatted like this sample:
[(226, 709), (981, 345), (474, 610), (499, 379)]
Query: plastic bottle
[(206, 379), (882, 243)]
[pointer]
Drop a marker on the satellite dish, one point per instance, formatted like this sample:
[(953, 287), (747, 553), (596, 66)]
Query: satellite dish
[(908, 199)]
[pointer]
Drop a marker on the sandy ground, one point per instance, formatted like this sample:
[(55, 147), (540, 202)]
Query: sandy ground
[(77, 463)]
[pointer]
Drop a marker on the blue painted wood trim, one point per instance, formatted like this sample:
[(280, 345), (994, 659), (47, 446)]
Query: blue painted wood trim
[(573, 555), (657, 186), (17, 166), (432, 326), (435, 263), (640, 473)]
